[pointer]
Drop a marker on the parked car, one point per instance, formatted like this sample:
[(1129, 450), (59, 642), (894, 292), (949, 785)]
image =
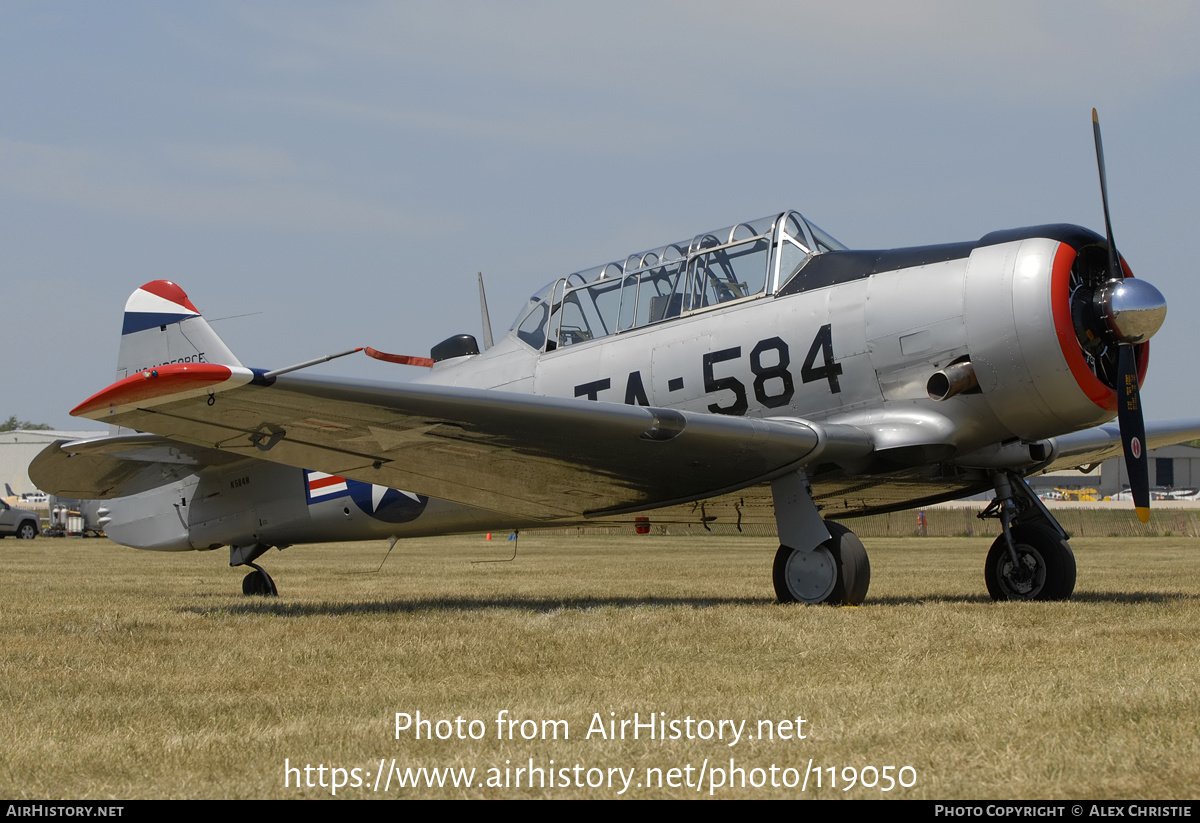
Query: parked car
[(21, 523)]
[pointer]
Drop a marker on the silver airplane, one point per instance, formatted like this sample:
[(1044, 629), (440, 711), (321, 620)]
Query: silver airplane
[(762, 372)]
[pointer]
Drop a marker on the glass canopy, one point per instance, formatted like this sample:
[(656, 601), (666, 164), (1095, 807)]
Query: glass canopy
[(741, 262)]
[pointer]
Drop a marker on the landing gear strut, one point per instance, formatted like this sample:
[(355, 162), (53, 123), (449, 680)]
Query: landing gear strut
[(258, 582), (1031, 560)]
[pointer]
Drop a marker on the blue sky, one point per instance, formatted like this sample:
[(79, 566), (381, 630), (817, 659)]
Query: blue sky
[(340, 171)]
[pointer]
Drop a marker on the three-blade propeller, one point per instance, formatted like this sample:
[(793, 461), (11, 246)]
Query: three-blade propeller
[(1133, 311)]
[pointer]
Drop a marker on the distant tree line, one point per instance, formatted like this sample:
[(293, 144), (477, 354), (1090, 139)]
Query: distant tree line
[(12, 424)]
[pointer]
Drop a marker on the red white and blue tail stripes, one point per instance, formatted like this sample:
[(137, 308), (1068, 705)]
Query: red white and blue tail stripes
[(159, 303)]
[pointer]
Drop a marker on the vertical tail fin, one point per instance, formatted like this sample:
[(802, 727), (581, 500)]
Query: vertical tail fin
[(162, 326)]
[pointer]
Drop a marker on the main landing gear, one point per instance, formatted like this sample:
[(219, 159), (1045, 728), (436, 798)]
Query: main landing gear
[(821, 561), (1031, 559), (818, 561), (257, 582), (837, 571)]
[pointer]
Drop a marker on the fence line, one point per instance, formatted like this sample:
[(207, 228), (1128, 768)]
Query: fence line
[(945, 521)]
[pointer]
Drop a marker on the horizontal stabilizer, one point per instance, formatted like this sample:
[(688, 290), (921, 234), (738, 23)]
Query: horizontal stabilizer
[(108, 467)]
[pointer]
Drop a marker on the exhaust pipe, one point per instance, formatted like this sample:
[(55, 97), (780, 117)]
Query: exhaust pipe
[(956, 378)]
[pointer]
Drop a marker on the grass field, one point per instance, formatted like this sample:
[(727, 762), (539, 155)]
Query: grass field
[(131, 674)]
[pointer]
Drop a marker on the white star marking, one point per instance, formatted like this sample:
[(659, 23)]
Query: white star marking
[(377, 493)]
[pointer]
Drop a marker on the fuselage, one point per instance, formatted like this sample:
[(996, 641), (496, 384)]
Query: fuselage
[(771, 318)]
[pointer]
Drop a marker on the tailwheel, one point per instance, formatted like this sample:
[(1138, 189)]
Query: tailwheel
[(1045, 567), (836, 572), (258, 582)]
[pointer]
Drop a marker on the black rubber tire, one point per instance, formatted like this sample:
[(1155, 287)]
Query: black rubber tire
[(27, 530), (258, 583), (849, 558), (854, 567), (1050, 558)]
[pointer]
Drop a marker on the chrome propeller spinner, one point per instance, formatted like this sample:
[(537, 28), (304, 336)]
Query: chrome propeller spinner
[(1132, 309)]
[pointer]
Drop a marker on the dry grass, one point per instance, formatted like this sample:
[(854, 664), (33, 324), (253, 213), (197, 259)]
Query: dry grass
[(128, 674)]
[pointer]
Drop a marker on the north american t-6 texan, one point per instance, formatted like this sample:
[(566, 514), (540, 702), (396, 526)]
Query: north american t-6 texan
[(760, 372)]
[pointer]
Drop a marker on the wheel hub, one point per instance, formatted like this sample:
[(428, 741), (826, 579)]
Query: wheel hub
[(1026, 578), (811, 575)]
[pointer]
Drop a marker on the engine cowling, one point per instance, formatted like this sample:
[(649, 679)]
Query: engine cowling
[(1040, 342)]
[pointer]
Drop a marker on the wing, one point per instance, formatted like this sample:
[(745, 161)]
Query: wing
[(108, 467), (538, 457), (1102, 442)]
